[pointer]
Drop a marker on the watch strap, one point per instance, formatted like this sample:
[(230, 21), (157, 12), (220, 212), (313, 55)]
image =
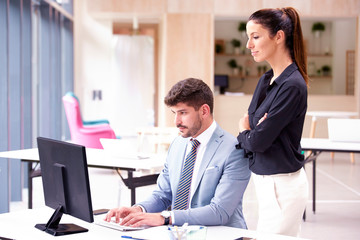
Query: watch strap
[(167, 220)]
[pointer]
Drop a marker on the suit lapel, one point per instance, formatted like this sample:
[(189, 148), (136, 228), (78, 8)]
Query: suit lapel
[(210, 151)]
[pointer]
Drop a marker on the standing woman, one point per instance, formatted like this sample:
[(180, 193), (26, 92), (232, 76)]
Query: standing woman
[(271, 132)]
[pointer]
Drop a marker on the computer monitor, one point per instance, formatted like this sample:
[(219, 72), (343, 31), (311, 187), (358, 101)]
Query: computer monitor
[(222, 81), (66, 185)]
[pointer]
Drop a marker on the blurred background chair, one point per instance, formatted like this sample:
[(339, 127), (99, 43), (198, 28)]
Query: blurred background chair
[(344, 130), (87, 135), (156, 139), (87, 123), (315, 115)]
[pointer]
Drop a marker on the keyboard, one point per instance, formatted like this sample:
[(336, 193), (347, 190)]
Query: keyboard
[(112, 224)]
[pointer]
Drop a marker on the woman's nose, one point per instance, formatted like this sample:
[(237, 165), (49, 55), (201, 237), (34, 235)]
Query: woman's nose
[(249, 45)]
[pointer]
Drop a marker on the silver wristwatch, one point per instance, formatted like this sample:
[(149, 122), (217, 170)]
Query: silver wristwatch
[(166, 215)]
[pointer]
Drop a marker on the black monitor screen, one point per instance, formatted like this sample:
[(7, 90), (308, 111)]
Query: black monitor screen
[(66, 184), (222, 81)]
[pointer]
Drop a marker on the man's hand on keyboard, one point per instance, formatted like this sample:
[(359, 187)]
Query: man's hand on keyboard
[(141, 219), (121, 212)]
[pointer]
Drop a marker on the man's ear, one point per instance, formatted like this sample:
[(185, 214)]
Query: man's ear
[(204, 110)]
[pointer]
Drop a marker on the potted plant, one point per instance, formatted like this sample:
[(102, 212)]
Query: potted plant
[(219, 48), (236, 44), (242, 30), (318, 26), (242, 27), (233, 64), (326, 69)]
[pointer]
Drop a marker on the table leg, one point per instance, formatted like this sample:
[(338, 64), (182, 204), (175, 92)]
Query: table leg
[(30, 187), (352, 157), (312, 131), (304, 214), (132, 188), (32, 172), (312, 157), (132, 182), (312, 127), (314, 185)]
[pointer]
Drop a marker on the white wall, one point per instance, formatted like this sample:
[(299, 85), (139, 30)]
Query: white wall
[(344, 38), (92, 53)]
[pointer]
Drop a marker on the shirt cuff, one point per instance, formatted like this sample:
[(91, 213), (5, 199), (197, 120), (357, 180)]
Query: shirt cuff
[(172, 218), (142, 208)]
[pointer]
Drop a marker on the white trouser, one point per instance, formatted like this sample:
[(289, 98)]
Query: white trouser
[(282, 200)]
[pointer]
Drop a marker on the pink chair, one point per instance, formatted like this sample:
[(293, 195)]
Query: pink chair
[(88, 136)]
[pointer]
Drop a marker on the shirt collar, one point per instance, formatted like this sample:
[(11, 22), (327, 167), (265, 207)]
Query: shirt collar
[(205, 136), (284, 75)]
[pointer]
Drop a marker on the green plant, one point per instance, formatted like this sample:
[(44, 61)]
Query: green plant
[(326, 68), (242, 26), (232, 63), (318, 26), (235, 42), (219, 48)]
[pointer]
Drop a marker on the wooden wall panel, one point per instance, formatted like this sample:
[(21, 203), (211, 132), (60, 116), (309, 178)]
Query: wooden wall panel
[(307, 8), (187, 40), (190, 6), (235, 8), (126, 6)]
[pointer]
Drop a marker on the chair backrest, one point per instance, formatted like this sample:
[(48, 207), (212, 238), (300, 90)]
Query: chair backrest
[(73, 115), (344, 129), (86, 123), (157, 139), (72, 95), (89, 136)]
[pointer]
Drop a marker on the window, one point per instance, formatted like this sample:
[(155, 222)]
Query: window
[(36, 60)]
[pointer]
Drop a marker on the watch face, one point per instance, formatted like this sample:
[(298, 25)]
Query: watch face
[(165, 214)]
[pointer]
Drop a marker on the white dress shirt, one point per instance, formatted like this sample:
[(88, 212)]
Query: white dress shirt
[(203, 138)]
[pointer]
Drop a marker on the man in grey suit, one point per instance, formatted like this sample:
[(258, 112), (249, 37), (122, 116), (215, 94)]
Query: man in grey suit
[(203, 161)]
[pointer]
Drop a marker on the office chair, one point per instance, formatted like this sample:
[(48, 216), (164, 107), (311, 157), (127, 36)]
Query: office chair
[(156, 139), (87, 123), (86, 135)]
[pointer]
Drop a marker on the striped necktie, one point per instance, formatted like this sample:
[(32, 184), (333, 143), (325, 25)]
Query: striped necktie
[(183, 192)]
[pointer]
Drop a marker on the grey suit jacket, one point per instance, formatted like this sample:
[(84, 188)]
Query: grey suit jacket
[(222, 179)]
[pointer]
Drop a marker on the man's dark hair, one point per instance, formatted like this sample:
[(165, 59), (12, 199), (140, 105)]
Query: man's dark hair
[(191, 91)]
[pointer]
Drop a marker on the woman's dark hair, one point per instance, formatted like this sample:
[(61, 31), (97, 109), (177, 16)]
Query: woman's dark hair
[(191, 91), (288, 20)]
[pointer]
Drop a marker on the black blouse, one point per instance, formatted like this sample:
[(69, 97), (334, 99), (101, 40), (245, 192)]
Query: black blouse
[(273, 146)]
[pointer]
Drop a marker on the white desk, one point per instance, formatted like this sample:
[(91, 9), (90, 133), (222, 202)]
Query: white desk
[(328, 114), (98, 158), (20, 225), (318, 145)]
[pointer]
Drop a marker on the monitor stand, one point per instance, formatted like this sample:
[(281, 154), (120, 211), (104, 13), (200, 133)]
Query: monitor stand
[(54, 228), (222, 90)]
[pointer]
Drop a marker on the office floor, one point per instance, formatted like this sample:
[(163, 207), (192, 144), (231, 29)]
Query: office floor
[(337, 209)]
